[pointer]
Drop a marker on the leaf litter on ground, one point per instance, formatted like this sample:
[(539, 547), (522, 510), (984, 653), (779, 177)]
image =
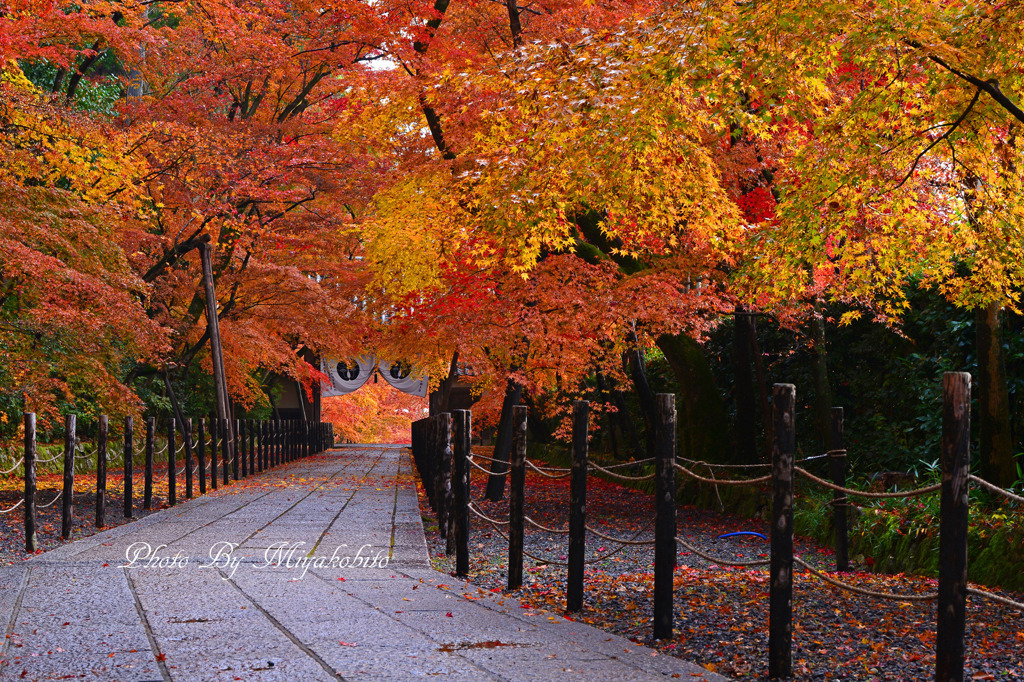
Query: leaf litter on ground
[(721, 613)]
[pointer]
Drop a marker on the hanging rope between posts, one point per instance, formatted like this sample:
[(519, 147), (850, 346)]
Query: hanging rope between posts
[(486, 459), (552, 562), (560, 469), (621, 477), (700, 462), (996, 489), (722, 481), (621, 465), (486, 471), (609, 538), (16, 505), (50, 503), (59, 455), (719, 560), (995, 597), (486, 518), (829, 454), (931, 596), (16, 465), (544, 473), (556, 531), (865, 493)]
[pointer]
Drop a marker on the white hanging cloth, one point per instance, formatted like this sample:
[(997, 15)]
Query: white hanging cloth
[(401, 376), (347, 375)]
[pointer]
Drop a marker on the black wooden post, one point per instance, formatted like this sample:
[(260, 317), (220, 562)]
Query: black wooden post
[(432, 462), (215, 435), (269, 457), (837, 463), (237, 450), (243, 446), (444, 456), (172, 462), (101, 471), (665, 513), (289, 442), (31, 543), (275, 435), (129, 451), (461, 477), (577, 506), (516, 498), (780, 591), (226, 449), (953, 507), (186, 434), (70, 441), (261, 453), (201, 451), (252, 446), (147, 484)]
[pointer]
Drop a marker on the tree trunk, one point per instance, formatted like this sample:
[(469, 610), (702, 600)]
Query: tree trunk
[(762, 390), (602, 390), (746, 401), (638, 372), (703, 421), (503, 442), (822, 390), (440, 400), (995, 451)]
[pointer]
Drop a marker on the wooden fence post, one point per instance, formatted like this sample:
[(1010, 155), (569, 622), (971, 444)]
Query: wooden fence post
[(665, 513), (172, 463), (517, 498), (101, 471), (186, 434), (953, 508), (432, 462), (215, 435), (201, 452), (226, 449), (243, 446), (577, 506), (268, 454), (261, 454), (129, 451), (837, 463), (461, 479), (147, 484), (70, 441), (780, 592), (237, 450), (31, 542), (252, 446), (273, 434), (444, 453)]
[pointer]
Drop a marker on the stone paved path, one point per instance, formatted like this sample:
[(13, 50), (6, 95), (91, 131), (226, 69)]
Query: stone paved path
[(263, 612)]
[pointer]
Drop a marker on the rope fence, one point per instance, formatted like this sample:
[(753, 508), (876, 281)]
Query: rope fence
[(284, 440), (440, 462), (722, 481), (866, 493)]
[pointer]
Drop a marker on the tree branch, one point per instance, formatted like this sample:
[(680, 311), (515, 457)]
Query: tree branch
[(953, 126)]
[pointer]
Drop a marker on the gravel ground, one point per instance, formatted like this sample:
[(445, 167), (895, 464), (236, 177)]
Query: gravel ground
[(721, 614)]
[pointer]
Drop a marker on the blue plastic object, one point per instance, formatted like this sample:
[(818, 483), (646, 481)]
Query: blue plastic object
[(741, 532)]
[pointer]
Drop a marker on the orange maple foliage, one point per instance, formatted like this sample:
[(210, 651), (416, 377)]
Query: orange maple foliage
[(376, 413)]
